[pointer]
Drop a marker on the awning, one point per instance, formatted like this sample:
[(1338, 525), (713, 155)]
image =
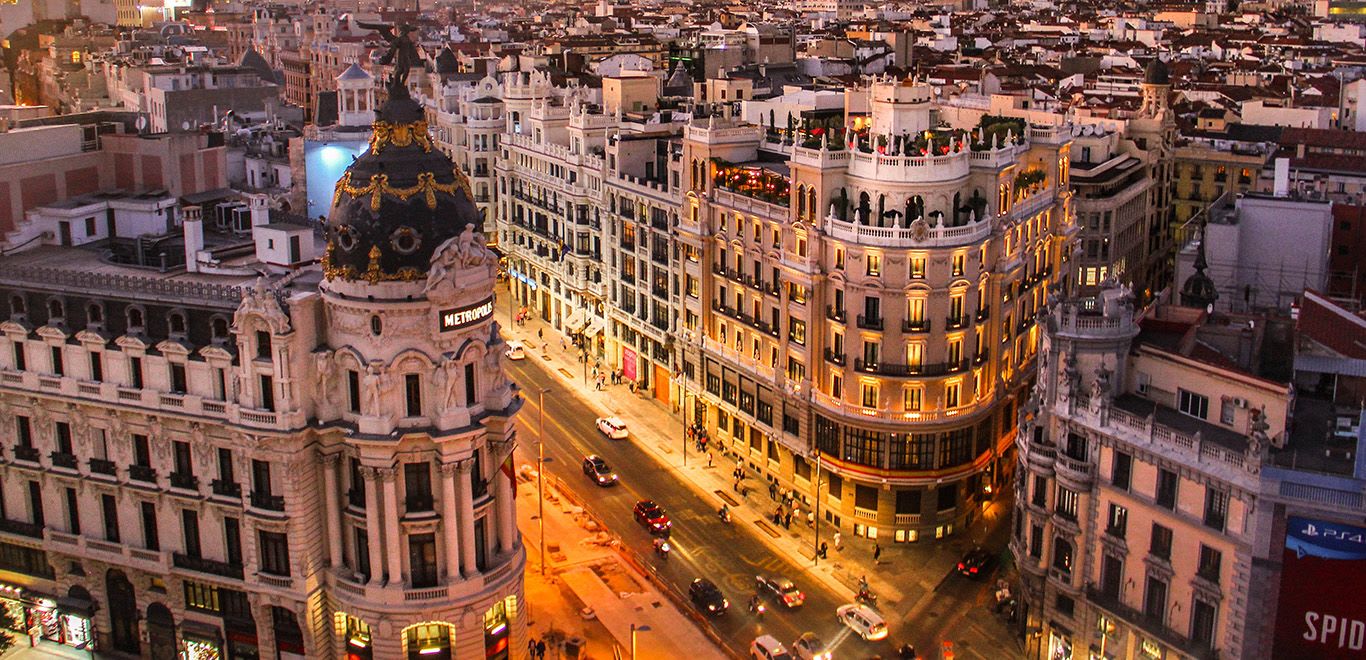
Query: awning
[(593, 329), (574, 322), (72, 605)]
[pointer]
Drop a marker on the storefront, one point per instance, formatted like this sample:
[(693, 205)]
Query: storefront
[(357, 636), (1059, 645), (428, 641), (201, 641), (497, 632), (64, 621)]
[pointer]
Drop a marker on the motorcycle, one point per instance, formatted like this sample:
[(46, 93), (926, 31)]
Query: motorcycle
[(662, 548), (756, 607), (866, 597), (724, 514)]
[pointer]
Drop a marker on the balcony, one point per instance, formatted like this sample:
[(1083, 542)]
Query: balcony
[(909, 370), (184, 481), (30, 530), (979, 359), (956, 322), (836, 358), (909, 326), (226, 488), (268, 502), (22, 453), (983, 314), (207, 566), (837, 315), (1151, 625), (144, 473), (102, 466), (870, 322), (63, 460)]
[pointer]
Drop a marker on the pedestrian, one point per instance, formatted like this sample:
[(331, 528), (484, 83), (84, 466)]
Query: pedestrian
[(562, 345), (540, 333), (811, 518), (708, 459), (836, 538), (877, 553), (824, 549), (772, 491), (787, 520), (531, 648), (540, 649)]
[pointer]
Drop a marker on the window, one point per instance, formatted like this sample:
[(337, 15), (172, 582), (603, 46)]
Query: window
[(913, 398), (469, 385), (262, 345), (951, 395), (948, 497), (24, 429), (96, 366), (58, 365), (274, 553), (412, 390), (1111, 576), (1204, 616), (839, 258), (1195, 405), (863, 447), (1166, 488), (1117, 522), (959, 264), (917, 267), (1036, 541), (201, 597), (1155, 599), (1216, 508), (1210, 559), (64, 438), (1062, 554), (73, 512), (142, 451), (417, 484), (232, 538), (1067, 503), (874, 264), (260, 477), (267, 393), (1040, 496), (180, 451), (907, 502), (178, 381), (1120, 470), (135, 372), (1226, 409), (422, 560), (189, 524), (110, 509), (225, 465), (796, 331), (353, 390), (151, 537), (1161, 544)]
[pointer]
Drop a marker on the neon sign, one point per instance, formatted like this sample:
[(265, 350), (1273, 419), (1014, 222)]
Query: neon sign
[(454, 319)]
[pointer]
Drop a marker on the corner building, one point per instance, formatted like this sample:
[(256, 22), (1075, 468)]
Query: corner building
[(860, 301), (314, 465)]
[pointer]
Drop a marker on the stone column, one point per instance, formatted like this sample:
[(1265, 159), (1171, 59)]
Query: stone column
[(466, 491), (334, 535), (372, 523), (504, 502), (393, 540), (450, 519)]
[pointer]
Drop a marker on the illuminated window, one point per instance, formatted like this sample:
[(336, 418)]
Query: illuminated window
[(874, 264), (868, 394), (839, 258), (917, 267), (959, 264), (914, 398), (951, 395)]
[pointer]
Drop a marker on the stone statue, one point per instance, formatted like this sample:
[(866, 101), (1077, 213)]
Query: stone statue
[(452, 380), (1257, 441), (374, 389), (327, 373), (468, 250), (1100, 387), (402, 54)]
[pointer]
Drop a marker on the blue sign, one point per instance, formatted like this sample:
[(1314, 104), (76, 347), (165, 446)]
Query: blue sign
[(1328, 540)]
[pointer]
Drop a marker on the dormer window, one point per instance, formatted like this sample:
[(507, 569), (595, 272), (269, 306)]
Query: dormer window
[(94, 314), (135, 319), (55, 311), (177, 323), (219, 328), (17, 306)]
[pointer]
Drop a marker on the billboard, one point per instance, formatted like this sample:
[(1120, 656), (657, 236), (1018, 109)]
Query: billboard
[(1321, 612)]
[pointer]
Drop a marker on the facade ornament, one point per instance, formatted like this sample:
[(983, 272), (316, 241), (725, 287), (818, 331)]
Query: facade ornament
[(1257, 442), (467, 250), (920, 230), (450, 369), (259, 300), (326, 366), (374, 389)]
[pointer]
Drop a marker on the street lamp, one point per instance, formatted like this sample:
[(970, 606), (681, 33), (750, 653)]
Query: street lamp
[(816, 493), (540, 469), (635, 629), (683, 401)]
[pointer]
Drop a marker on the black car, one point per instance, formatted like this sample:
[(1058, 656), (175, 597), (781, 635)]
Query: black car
[(781, 590), (975, 563), (598, 470), (707, 597)]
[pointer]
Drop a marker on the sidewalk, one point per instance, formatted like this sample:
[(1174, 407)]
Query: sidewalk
[(583, 567), (46, 650), (904, 579)]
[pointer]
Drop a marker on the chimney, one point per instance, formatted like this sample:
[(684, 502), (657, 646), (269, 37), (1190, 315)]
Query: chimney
[(260, 210), (193, 223), (1282, 188)]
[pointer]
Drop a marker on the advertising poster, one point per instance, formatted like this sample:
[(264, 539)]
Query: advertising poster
[(628, 363), (1321, 613)]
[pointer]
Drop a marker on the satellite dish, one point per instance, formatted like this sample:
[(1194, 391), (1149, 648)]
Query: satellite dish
[(184, 125), (141, 123)]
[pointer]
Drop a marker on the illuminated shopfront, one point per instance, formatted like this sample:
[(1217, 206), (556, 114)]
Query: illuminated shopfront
[(496, 628), (1059, 646), (428, 641), (202, 649), (357, 636), (64, 621)]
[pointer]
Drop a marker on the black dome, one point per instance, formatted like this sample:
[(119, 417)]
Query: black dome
[(397, 203), (1156, 73)]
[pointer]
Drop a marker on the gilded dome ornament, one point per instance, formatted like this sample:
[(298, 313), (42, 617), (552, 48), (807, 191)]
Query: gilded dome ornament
[(404, 240)]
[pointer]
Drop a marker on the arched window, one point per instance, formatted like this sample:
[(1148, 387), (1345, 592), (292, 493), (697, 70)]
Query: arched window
[(17, 306), (219, 328), (177, 323), (801, 202), (94, 313), (135, 318), (55, 309), (811, 204), (864, 207)]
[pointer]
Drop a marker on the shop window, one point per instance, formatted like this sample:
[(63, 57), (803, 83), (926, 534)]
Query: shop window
[(428, 641)]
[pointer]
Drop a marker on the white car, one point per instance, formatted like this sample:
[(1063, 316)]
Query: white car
[(516, 351), (863, 621), (810, 647), (612, 427), (766, 647)]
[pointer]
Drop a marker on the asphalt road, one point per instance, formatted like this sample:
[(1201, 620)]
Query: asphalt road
[(729, 554)]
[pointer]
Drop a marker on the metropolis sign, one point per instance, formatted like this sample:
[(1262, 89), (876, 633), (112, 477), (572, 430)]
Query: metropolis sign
[(1320, 613), (454, 319)]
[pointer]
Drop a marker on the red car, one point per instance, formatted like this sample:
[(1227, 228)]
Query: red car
[(651, 516)]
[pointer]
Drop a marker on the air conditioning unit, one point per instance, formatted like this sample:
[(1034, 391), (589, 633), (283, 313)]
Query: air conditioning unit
[(1240, 402)]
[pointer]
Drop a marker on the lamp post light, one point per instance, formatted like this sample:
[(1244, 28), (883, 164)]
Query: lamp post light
[(635, 629), (683, 401), (816, 494), (540, 470)]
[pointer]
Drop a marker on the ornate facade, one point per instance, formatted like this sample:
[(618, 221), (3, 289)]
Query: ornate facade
[(316, 465)]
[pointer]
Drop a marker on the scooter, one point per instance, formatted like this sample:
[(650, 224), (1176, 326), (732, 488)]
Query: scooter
[(724, 514), (866, 597), (757, 608), (662, 548)]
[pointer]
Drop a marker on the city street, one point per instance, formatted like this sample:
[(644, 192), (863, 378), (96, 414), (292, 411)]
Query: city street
[(933, 606)]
